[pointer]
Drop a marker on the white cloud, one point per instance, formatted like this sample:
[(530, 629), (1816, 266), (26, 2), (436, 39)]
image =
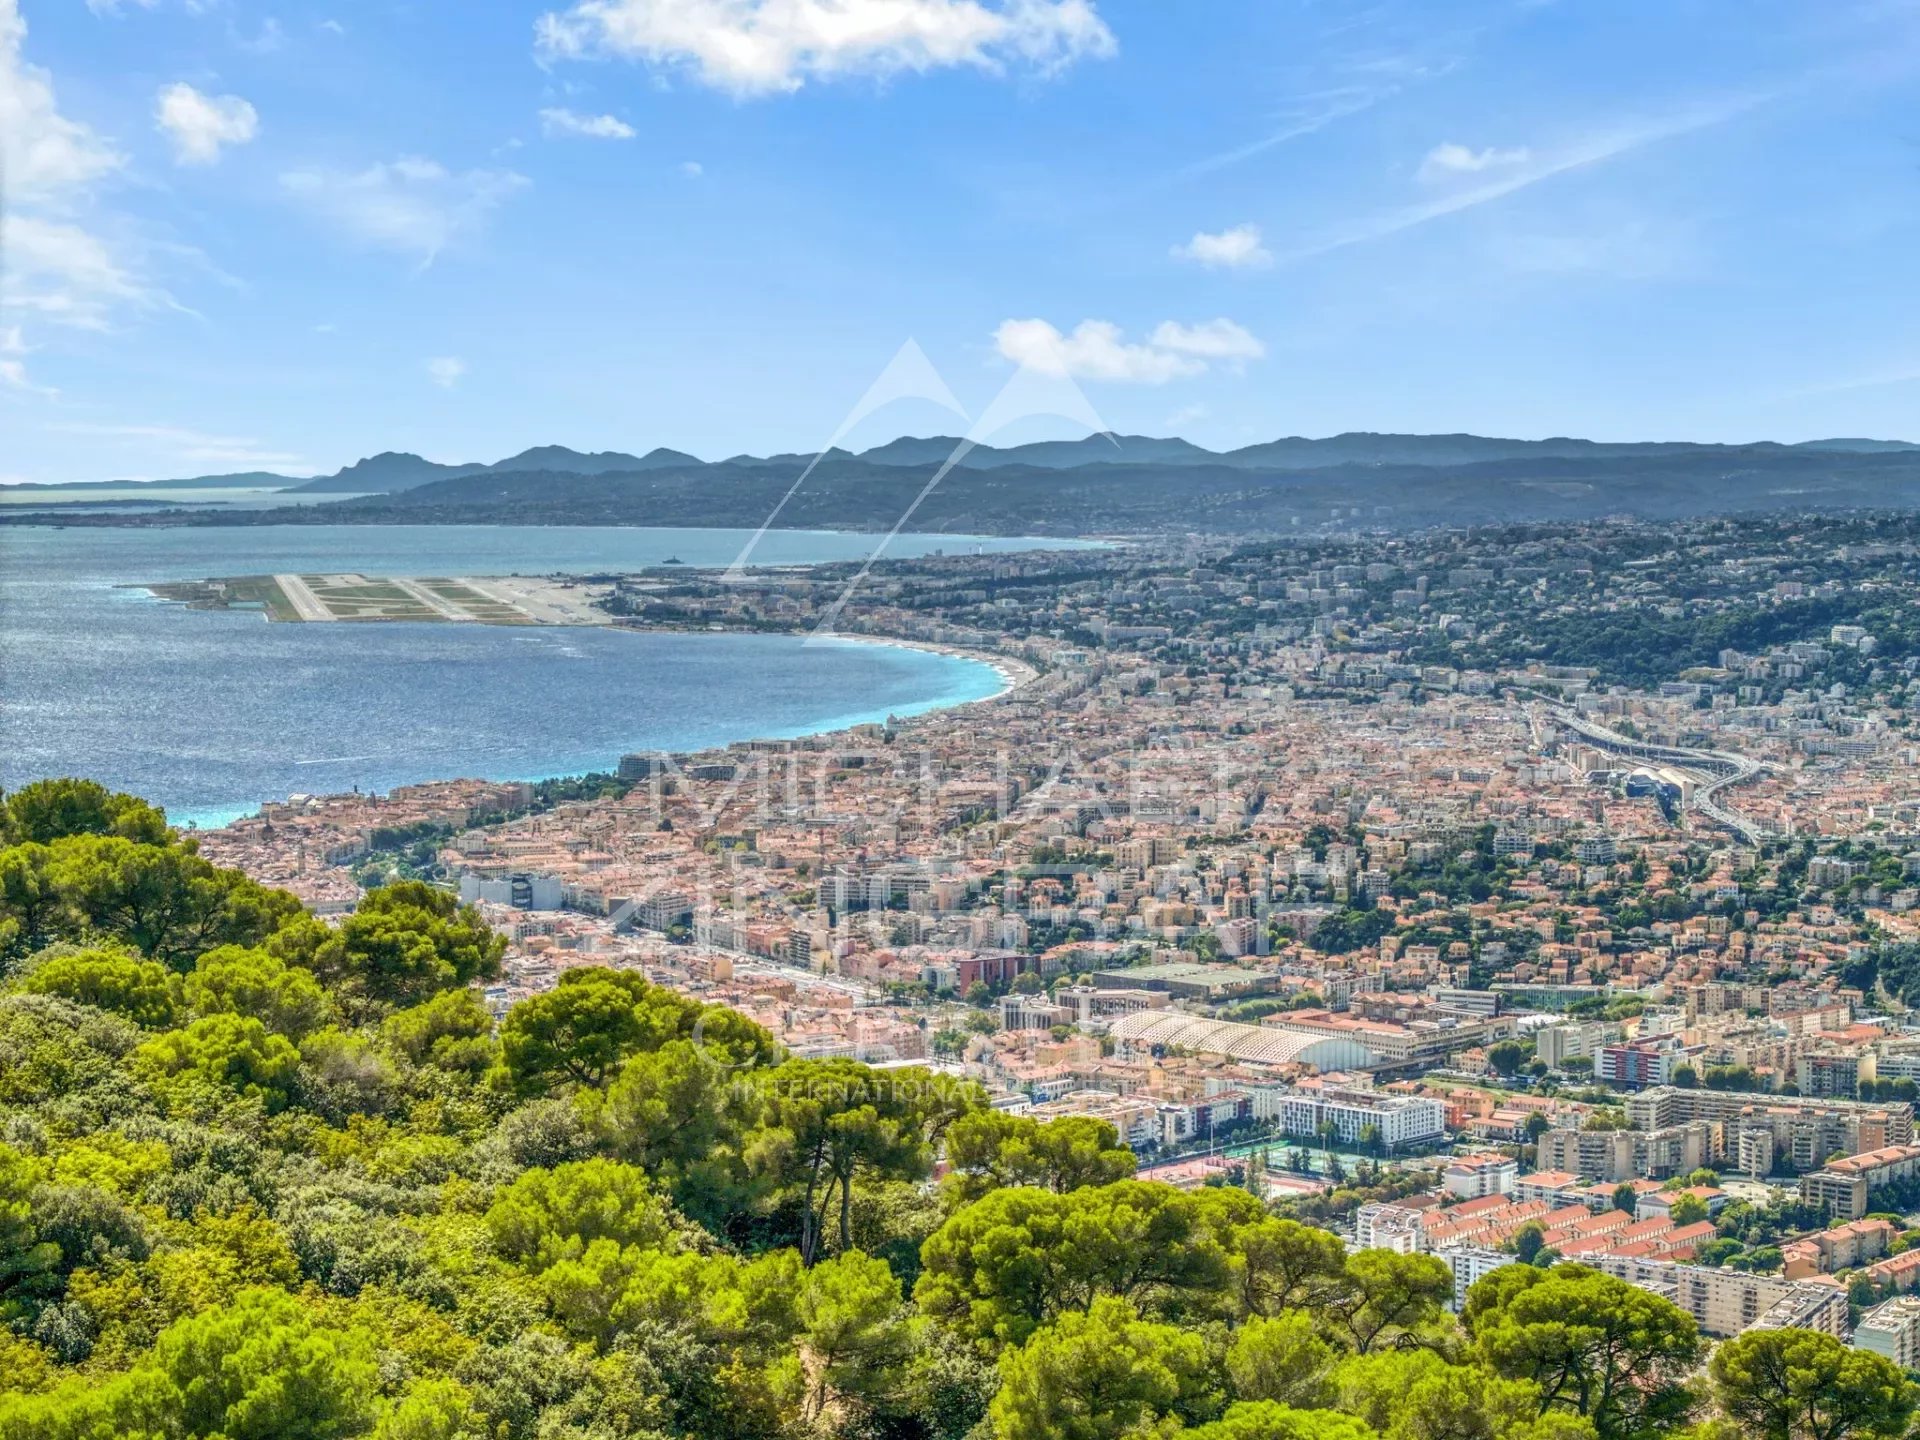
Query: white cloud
[(200, 125), (692, 169), (1449, 161), (1097, 350), (1235, 249), (66, 274), (13, 369), (446, 371), (766, 47), (411, 205), (596, 127), (1209, 340), (63, 265), (45, 157)]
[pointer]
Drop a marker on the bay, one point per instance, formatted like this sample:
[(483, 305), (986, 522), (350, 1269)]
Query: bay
[(211, 712)]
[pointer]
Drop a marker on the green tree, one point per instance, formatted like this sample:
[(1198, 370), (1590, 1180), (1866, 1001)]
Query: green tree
[(453, 1031), (1282, 1358), (1687, 1210), (28, 1260), (49, 810), (1806, 1385), (238, 981), (1383, 1295), (32, 910), (829, 1124), (853, 1334), (1015, 1259), (261, 1368), (1100, 1375), (1269, 1420), (232, 1052), (1279, 1265), (163, 900), (577, 1032), (990, 1149), (547, 1216), (403, 944), (581, 1031), (1594, 1345), (682, 1118), (144, 991), (1507, 1056)]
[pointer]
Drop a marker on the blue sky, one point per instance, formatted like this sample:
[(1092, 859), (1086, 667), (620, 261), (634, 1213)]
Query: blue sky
[(243, 235)]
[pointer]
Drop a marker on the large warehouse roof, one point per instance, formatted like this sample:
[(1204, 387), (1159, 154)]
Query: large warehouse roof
[(1260, 1044)]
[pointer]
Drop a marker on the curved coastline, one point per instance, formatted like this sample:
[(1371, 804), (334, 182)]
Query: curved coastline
[(1012, 675), (77, 654)]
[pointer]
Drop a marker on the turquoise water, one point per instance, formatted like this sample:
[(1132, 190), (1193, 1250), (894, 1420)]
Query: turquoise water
[(211, 712)]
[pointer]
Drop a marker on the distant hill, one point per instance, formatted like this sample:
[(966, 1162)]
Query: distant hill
[(1104, 484), (561, 460), (379, 474), (1858, 447), (1045, 454), (246, 480), (1119, 498)]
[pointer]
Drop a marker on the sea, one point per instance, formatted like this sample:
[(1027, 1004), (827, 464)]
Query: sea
[(209, 713)]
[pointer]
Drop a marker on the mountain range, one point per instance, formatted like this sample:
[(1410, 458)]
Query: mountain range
[(391, 471), (1099, 485)]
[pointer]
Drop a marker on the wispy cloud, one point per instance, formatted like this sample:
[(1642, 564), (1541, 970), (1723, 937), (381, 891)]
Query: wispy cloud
[(1308, 115), (560, 121), (1868, 380), (411, 205), (1595, 149), (446, 371), (182, 443)]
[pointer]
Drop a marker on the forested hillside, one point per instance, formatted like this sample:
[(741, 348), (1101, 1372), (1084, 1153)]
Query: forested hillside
[(265, 1177)]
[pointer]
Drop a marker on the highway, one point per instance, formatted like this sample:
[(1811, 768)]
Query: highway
[(1712, 770)]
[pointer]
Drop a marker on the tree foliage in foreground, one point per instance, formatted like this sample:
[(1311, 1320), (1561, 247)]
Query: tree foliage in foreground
[(264, 1177)]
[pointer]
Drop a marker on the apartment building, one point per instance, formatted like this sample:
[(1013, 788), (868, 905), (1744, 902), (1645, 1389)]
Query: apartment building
[(1399, 1120), (1637, 1064), (1560, 1046), (1725, 1302), (1618, 1155), (1843, 1247), (1892, 1329), (1473, 1176), (1803, 1129), (1399, 1227), (1843, 1187)]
